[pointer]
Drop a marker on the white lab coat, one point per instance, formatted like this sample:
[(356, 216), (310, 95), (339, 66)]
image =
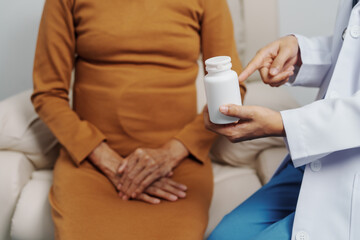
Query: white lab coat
[(325, 135)]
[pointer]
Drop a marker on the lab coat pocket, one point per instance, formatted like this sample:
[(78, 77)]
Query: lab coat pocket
[(355, 209)]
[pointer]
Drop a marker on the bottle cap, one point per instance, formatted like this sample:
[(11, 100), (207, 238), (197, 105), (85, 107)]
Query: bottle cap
[(217, 64)]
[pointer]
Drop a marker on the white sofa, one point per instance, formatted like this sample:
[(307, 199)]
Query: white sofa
[(28, 151)]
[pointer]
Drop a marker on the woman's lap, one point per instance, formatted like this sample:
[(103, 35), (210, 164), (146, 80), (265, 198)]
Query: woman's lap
[(268, 211), (85, 205)]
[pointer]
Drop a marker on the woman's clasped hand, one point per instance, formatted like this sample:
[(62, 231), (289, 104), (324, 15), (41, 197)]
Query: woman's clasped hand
[(145, 174)]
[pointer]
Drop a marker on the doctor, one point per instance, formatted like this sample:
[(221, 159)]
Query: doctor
[(315, 193)]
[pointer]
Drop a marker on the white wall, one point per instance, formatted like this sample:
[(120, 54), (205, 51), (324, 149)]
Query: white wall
[(19, 20), (261, 22), (309, 18)]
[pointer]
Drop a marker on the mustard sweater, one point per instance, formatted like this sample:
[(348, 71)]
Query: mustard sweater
[(135, 70)]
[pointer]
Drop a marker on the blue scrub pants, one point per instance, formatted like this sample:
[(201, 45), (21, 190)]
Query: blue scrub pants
[(268, 214)]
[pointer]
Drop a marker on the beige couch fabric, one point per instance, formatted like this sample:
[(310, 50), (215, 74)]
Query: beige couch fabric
[(21, 130)]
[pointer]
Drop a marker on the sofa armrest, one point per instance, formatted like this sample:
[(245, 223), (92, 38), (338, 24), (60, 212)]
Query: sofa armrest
[(15, 172), (32, 217), (232, 185), (268, 161)]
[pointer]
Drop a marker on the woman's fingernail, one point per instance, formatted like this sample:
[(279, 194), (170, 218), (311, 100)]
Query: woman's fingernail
[(182, 194), (124, 197), (224, 109), (274, 71), (156, 201), (122, 168), (133, 195), (173, 198)]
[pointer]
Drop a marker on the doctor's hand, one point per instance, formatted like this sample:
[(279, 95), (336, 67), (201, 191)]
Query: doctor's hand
[(146, 165), (112, 165), (275, 61), (255, 122)]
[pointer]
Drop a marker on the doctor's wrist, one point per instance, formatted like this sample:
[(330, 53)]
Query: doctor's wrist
[(277, 126)]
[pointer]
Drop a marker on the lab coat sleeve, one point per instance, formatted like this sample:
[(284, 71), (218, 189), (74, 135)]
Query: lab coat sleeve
[(316, 61), (321, 128)]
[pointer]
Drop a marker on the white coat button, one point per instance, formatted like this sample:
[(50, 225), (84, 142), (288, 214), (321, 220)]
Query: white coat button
[(302, 236), (355, 31), (315, 166)]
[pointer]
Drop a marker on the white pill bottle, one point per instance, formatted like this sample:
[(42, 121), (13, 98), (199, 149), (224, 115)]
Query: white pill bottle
[(221, 87)]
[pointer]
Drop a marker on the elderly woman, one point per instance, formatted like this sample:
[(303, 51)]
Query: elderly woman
[(133, 136)]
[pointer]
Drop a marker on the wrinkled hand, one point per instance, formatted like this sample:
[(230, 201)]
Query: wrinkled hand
[(275, 62), (108, 161), (255, 122), (113, 165), (163, 188), (146, 165)]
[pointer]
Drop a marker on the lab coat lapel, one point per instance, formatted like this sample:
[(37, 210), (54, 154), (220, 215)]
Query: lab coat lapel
[(342, 21), (345, 79)]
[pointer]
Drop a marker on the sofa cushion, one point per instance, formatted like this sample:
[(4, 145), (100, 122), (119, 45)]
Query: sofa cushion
[(32, 217), (268, 161), (15, 172), (242, 154), (276, 98), (22, 130), (16, 114), (231, 187)]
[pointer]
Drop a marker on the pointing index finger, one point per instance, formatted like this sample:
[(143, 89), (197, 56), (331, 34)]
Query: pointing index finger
[(254, 65)]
